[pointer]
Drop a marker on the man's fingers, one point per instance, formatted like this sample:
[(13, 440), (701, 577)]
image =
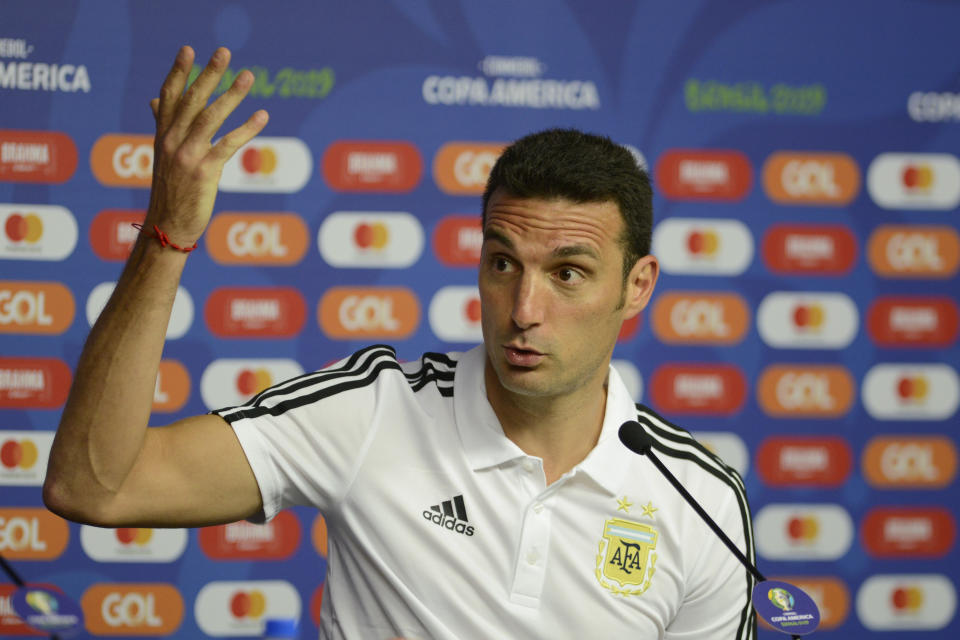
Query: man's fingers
[(228, 144), (173, 86), (195, 99), (206, 124)]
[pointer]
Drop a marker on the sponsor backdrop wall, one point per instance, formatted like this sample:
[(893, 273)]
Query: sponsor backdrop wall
[(805, 159)]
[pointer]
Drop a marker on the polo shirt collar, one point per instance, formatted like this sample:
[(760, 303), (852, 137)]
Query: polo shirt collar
[(485, 444)]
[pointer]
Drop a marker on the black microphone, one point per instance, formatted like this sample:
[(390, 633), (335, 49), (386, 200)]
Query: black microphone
[(636, 438)]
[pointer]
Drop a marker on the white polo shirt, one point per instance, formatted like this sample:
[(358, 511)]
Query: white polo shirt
[(441, 527)]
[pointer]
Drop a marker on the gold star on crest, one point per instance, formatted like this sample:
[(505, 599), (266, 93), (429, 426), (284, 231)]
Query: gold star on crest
[(648, 509), (624, 504)]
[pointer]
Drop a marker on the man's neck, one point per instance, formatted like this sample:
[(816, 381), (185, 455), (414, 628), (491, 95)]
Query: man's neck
[(560, 430)]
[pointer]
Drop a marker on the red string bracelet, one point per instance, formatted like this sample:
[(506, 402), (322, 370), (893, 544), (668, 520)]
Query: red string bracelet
[(163, 239)]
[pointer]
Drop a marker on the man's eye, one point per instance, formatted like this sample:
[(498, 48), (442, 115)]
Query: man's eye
[(568, 275), (501, 264)]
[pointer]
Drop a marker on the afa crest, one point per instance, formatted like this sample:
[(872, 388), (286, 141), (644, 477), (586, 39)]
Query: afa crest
[(626, 557)]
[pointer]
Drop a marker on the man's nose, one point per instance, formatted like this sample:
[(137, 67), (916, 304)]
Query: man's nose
[(528, 307)]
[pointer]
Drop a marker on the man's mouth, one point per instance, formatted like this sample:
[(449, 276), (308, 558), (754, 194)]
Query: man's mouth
[(522, 357)]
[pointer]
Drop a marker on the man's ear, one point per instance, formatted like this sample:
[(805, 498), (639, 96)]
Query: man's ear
[(640, 284)]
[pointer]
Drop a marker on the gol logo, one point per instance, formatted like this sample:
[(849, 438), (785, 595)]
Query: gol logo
[(913, 322), (36, 156), (698, 388), (252, 381), (811, 178), (909, 462), (133, 535), (18, 454), (267, 312), (829, 594), (386, 312), (809, 249), (462, 168), (318, 533), (680, 318), (112, 234), (33, 383), (908, 531), (257, 238), (824, 391), (458, 240), (121, 160), (23, 228), (275, 540), (259, 160), (140, 609), (786, 461), (32, 534), (902, 251), (172, 388), (35, 307), (685, 174), (381, 166)]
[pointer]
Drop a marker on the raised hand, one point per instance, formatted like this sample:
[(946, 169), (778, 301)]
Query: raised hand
[(186, 165)]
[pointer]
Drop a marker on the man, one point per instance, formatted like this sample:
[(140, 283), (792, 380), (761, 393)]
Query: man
[(476, 495)]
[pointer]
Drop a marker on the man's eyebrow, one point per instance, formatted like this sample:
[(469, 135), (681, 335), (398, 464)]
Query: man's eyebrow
[(494, 235), (576, 250)]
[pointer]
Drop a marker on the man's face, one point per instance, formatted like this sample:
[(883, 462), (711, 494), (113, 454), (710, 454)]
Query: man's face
[(552, 293)]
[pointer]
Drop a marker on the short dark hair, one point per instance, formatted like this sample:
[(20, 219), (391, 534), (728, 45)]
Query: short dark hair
[(581, 167)]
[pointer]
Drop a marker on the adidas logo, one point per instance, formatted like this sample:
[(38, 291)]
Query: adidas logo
[(443, 515)]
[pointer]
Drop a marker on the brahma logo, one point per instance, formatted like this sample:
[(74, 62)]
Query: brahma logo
[(910, 462), (228, 382), (275, 540), (268, 165), (629, 328), (23, 457), (265, 312), (133, 609), (346, 313), (32, 534), (36, 232), (172, 389), (911, 391), (631, 378), (704, 246), (44, 308), (918, 602), (807, 320), (809, 249), (934, 106), (729, 446), (902, 251), (804, 461), (818, 179), (122, 160), (378, 166), (180, 318), (829, 594), (895, 321), (685, 174), (462, 168), (239, 608), (698, 388), (112, 234), (700, 318), (381, 239), (821, 391), (454, 314), (133, 544), (458, 241), (36, 156), (908, 532), (914, 181), (257, 238), (803, 531), (33, 383)]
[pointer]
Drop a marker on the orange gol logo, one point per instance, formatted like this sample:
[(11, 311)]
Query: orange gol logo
[(347, 313), (35, 307), (122, 160), (32, 534), (144, 609), (811, 178), (699, 318), (462, 168), (257, 238)]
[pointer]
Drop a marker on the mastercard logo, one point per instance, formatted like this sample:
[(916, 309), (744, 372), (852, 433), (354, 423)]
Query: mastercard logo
[(921, 602), (371, 236), (133, 535), (917, 176), (18, 454), (913, 389), (252, 381), (808, 317), (705, 246), (915, 181), (259, 160), (906, 599), (703, 242), (802, 529), (793, 531), (23, 228), (248, 604)]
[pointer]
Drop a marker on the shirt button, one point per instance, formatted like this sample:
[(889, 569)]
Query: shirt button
[(528, 466), (532, 556), (538, 508)]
